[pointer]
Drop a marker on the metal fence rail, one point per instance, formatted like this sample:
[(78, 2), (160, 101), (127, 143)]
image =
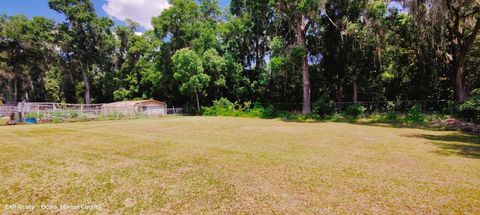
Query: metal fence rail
[(7, 110), (97, 110), (46, 112)]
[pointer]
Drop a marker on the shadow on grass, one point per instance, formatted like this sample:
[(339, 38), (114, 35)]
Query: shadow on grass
[(398, 125), (353, 121), (465, 145), (366, 123)]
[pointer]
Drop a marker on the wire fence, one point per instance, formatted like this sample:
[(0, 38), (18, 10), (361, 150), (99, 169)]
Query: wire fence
[(429, 106), (8, 109), (60, 112), (72, 112)]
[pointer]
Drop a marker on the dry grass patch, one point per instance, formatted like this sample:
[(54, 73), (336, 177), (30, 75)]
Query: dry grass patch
[(234, 165), (3, 120)]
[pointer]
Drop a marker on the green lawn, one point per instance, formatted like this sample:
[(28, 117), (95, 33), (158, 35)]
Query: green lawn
[(194, 165)]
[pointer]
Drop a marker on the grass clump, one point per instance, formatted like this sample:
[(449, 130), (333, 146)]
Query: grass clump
[(388, 117), (224, 107)]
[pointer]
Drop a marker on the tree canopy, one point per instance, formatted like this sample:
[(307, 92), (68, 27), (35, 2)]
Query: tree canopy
[(288, 52)]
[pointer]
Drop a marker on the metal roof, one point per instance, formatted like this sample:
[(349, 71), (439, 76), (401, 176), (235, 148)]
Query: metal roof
[(133, 103)]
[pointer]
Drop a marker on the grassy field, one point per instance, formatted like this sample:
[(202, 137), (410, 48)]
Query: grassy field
[(192, 165)]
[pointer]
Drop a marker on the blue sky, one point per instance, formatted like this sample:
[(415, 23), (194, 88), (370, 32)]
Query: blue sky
[(137, 10), (140, 11)]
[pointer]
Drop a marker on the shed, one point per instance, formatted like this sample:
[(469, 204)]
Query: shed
[(144, 106)]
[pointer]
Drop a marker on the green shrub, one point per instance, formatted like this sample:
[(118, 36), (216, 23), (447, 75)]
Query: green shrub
[(221, 107), (470, 110), (354, 111), (391, 116), (113, 116), (415, 115), (452, 108), (73, 114), (388, 117), (337, 117), (224, 107), (58, 117), (324, 106), (266, 112)]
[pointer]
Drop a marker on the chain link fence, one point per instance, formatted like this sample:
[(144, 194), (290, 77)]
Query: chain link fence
[(66, 112), (428, 106), (59, 112)]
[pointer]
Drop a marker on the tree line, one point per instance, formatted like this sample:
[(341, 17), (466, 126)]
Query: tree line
[(267, 51)]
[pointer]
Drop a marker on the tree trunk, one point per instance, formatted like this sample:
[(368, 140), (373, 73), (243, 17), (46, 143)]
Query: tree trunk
[(86, 89), (340, 91), (355, 90), (198, 102), (257, 55), (302, 27), (463, 44), (460, 82), (306, 87), (15, 92)]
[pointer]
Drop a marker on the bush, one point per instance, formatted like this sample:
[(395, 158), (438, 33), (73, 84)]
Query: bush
[(354, 111), (73, 114), (391, 116), (415, 115), (224, 107), (388, 117), (324, 106), (470, 110), (264, 112), (58, 117), (221, 107), (452, 108)]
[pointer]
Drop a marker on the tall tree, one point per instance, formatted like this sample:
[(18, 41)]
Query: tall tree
[(301, 15), (27, 54), (256, 19), (83, 41), (458, 22), (189, 71)]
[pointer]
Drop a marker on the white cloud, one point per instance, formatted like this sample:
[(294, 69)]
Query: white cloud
[(140, 11)]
